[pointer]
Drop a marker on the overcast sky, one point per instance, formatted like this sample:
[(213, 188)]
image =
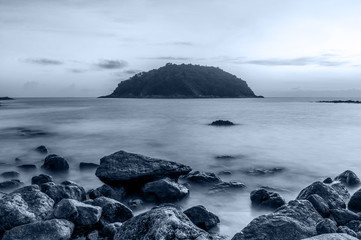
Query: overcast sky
[(86, 47)]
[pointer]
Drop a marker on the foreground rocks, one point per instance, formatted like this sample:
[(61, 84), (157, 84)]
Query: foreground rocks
[(261, 198), (112, 210), (66, 189), (201, 217)]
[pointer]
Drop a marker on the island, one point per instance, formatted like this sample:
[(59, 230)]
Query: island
[(183, 81), (6, 98)]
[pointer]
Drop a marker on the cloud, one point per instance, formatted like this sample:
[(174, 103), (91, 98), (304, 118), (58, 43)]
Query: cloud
[(111, 64), (43, 61)]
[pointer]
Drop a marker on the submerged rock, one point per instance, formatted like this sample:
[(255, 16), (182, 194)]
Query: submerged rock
[(10, 184), (296, 220), (332, 236), (355, 202), (112, 210), (164, 190), (222, 123), (164, 222), (54, 162), (85, 165), (201, 217), (263, 171), (42, 178), (27, 167), (223, 187), (123, 168), (66, 189), (55, 229), (326, 226), (202, 177), (10, 174), (41, 149), (261, 198)]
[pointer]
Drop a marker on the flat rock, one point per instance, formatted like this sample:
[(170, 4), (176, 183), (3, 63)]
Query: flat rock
[(66, 189), (332, 236), (201, 217), (112, 210), (10, 174), (261, 198), (10, 184), (42, 178), (55, 229), (27, 167), (123, 168), (222, 123), (296, 220), (164, 190), (85, 165), (54, 162)]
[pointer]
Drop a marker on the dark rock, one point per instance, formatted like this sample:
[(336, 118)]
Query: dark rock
[(41, 149), (348, 178), (14, 183), (135, 204), (355, 225), (341, 190), (332, 236), (133, 169), (54, 162), (78, 212), (355, 202), (326, 226), (201, 217), (319, 204), (84, 165), (262, 198), (222, 123), (261, 171), (225, 157), (117, 193), (343, 216), (113, 211), (110, 230), (332, 198), (94, 235), (42, 178), (225, 173), (55, 229), (164, 222), (64, 190), (202, 178), (223, 187), (27, 167), (164, 190), (296, 220), (93, 194), (344, 229), (10, 174), (328, 180), (341, 101), (6, 98)]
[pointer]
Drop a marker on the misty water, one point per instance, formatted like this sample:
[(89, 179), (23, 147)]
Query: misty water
[(308, 140)]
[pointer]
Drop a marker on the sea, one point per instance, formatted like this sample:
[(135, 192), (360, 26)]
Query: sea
[(304, 140)]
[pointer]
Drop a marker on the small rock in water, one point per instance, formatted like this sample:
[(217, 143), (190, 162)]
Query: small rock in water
[(349, 178), (328, 180), (225, 157), (27, 167), (164, 190), (222, 123), (226, 186), (41, 149), (85, 165), (10, 174), (14, 183), (260, 171), (326, 226), (201, 217), (262, 198), (42, 178), (54, 162), (202, 178)]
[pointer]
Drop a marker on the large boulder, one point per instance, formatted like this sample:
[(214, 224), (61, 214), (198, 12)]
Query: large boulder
[(54, 162), (349, 178), (55, 229), (164, 222), (296, 220), (261, 198), (201, 217), (112, 210), (333, 199), (332, 236), (164, 190), (355, 202), (123, 168), (66, 189)]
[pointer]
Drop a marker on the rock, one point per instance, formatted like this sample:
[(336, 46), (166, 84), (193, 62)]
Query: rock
[(112, 210), (225, 173), (355, 225), (84, 165), (42, 178), (343, 216), (328, 180), (326, 226), (93, 194), (344, 229), (222, 123), (349, 178), (122, 168), (164, 190), (261, 171), (10, 174), (319, 204), (223, 187), (163, 222), (332, 198), (55, 229), (64, 190), (117, 193), (201, 217), (27, 167), (38, 202), (14, 183), (135, 204), (110, 230), (355, 202), (296, 220), (202, 178), (41, 149), (54, 162), (332, 236), (341, 190), (262, 198), (78, 212), (225, 157)]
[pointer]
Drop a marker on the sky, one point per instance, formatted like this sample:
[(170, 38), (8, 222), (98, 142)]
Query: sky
[(84, 48)]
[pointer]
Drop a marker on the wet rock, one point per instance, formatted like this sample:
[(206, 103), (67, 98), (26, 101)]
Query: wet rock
[(10, 174), (110, 230), (42, 178), (201, 217), (223, 187), (326, 226), (122, 168), (117, 193), (319, 204), (355, 225), (164, 190), (349, 178), (112, 210), (343, 216), (332, 198), (41, 149), (296, 220), (222, 123), (344, 229), (55, 229), (332, 236), (27, 167), (328, 180), (85, 165), (262, 198), (10, 184), (78, 212), (355, 202), (202, 178), (261, 171), (135, 204), (341, 190), (54, 162), (64, 190), (164, 222)]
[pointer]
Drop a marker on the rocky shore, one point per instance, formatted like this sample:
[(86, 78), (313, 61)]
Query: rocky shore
[(61, 211)]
